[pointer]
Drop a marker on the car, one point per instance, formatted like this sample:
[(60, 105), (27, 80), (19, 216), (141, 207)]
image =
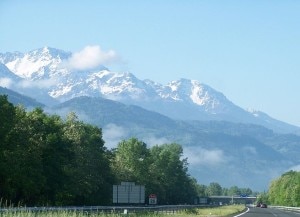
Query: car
[(263, 205)]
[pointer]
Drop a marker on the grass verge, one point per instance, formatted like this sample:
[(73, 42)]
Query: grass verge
[(222, 211)]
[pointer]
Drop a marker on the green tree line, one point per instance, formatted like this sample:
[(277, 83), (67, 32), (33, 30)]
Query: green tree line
[(283, 191), (47, 160)]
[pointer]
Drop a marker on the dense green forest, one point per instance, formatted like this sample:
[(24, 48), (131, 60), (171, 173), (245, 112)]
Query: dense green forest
[(47, 160)]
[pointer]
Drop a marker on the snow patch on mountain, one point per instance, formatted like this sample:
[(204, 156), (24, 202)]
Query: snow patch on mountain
[(201, 95)]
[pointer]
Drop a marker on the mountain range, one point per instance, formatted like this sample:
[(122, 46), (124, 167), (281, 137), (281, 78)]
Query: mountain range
[(217, 135)]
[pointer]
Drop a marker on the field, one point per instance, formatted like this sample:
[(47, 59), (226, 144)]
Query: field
[(199, 212)]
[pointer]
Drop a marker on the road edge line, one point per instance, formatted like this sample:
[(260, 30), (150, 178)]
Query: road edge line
[(242, 213)]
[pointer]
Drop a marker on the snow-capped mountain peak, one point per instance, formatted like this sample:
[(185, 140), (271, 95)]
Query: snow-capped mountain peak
[(47, 63), (35, 64), (193, 92), (46, 77)]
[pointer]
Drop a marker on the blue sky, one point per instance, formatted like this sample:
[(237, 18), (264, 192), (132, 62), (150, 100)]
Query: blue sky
[(248, 50)]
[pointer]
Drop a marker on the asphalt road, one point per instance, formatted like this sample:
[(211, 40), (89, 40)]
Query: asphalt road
[(268, 212)]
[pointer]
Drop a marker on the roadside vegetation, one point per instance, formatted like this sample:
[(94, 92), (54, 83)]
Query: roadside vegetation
[(216, 211), (285, 191), (222, 211)]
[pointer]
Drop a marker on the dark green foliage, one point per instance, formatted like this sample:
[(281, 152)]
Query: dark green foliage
[(7, 118), (89, 167), (7, 115), (169, 171), (48, 161)]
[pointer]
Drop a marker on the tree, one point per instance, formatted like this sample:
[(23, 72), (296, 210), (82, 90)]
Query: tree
[(170, 180), (23, 155), (88, 171), (54, 158), (234, 190), (201, 190), (7, 120), (7, 117), (214, 189), (48, 161), (131, 160), (246, 191), (161, 169)]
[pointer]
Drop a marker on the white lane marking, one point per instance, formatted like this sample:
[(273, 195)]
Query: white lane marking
[(242, 213)]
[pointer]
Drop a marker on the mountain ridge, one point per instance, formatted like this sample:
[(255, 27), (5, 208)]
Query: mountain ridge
[(19, 99), (182, 99)]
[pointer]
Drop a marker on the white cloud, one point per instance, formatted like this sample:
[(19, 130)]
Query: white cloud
[(45, 83), (89, 58), (199, 156), (153, 140), (6, 82), (113, 134)]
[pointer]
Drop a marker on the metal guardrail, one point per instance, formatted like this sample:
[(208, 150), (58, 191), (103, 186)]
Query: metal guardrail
[(288, 208), (107, 209)]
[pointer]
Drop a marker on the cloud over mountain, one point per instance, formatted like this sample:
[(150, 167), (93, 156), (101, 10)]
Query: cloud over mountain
[(113, 134), (6, 82), (198, 156), (90, 57), (40, 84)]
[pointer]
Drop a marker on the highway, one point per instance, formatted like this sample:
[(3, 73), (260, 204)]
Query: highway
[(268, 212)]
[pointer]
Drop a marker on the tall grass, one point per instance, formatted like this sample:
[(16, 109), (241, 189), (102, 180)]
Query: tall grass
[(198, 212), (218, 211)]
